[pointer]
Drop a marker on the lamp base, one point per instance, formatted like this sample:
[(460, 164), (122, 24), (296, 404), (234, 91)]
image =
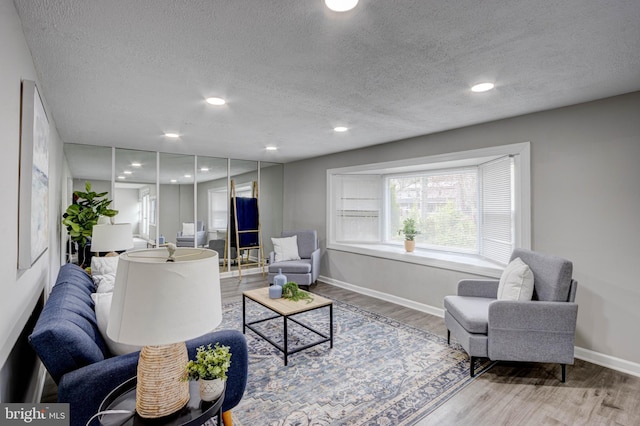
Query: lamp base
[(159, 391)]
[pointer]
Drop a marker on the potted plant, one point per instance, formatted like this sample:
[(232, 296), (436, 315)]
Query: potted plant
[(292, 292), (210, 369), (410, 231), (83, 214)]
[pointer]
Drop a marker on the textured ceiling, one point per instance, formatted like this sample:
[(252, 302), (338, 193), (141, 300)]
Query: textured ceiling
[(120, 73)]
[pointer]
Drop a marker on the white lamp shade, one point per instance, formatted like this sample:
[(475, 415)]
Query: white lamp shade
[(111, 237), (159, 303)]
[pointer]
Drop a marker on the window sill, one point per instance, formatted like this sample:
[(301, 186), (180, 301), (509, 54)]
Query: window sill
[(444, 260)]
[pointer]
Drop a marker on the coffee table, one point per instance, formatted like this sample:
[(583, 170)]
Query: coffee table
[(286, 309)]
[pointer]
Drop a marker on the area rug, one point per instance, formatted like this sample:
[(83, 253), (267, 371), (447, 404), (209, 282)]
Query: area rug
[(379, 371)]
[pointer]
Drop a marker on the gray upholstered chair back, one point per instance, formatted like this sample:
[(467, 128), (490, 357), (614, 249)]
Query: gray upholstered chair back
[(307, 241), (199, 226), (551, 275)]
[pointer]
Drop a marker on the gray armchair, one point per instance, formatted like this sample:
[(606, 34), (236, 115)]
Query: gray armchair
[(187, 240), (305, 271), (540, 330)]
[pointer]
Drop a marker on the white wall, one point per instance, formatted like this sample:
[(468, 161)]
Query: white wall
[(20, 289), (585, 203)]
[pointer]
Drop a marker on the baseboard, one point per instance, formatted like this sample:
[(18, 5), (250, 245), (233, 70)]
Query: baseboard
[(385, 296), (608, 361), (598, 358)]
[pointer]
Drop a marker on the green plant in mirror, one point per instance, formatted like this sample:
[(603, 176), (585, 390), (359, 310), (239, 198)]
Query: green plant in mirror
[(409, 229), (291, 291), (83, 214)]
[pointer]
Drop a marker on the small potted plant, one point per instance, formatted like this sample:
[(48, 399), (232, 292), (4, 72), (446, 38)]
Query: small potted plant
[(210, 369), (410, 231)]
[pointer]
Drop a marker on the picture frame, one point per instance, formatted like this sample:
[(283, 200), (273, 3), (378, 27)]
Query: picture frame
[(33, 215)]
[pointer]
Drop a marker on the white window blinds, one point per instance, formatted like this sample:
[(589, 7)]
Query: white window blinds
[(497, 229)]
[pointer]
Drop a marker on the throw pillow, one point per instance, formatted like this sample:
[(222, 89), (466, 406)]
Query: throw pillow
[(104, 283), (286, 248), (516, 282), (102, 303), (188, 229), (104, 265)]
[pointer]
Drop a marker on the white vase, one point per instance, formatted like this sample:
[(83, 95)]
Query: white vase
[(211, 389)]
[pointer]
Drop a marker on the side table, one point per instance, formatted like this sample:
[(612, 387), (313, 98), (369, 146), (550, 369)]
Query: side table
[(196, 412)]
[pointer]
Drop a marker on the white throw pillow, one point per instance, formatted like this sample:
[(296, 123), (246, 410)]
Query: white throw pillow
[(188, 229), (516, 282), (104, 265), (286, 248), (102, 303), (104, 283)]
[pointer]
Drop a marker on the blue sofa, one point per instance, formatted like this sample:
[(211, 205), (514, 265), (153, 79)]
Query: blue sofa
[(67, 340)]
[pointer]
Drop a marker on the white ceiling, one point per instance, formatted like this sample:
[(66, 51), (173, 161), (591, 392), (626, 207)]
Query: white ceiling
[(120, 73)]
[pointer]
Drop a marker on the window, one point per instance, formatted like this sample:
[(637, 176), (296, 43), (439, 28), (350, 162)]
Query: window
[(217, 209), (472, 204)]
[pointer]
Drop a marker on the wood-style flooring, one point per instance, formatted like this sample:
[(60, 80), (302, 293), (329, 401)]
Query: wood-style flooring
[(508, 393)]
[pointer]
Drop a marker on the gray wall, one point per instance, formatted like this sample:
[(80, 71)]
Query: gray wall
[(585, 203), (20, 289)]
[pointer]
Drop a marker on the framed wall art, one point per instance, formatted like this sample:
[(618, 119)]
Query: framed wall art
[(33, 216)]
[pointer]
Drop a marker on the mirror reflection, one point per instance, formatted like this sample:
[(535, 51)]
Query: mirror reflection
[(183, 199), (135, 194), (213, 200), (176, 212)]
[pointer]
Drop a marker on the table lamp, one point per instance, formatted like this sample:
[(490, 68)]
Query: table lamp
[(160, 300), (111, 238)]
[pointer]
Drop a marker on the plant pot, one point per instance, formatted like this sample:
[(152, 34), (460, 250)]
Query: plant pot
[(409, 245), (211, 389)]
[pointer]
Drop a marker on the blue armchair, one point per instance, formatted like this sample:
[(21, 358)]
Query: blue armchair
[(69, 344)]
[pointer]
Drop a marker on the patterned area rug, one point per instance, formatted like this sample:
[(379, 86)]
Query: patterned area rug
[(379, 372)]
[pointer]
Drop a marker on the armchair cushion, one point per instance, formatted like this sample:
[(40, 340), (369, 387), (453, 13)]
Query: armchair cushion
[(471, 312), (516, 282), (286, 248)]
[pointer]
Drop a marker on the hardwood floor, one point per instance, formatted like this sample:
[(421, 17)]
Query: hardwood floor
[(508, 393)]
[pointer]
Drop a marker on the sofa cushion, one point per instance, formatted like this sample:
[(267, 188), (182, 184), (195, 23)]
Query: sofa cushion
[(103, 309), (104, 265), (66, 335), (516, 282), (471, 312)]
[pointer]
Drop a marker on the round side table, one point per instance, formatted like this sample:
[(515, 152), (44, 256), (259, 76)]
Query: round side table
[(196, 412)]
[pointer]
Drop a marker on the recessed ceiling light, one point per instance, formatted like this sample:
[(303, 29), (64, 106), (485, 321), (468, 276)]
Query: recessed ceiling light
[(341, 5), (340, 129), (271, 148), (187, 176), (174, 180), (172, 135), (204, 169), (482, 87), (121, 177), (216, 101), (127, 172), (136, 164)]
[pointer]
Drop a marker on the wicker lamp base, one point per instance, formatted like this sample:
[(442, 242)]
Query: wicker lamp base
[(160, 391)]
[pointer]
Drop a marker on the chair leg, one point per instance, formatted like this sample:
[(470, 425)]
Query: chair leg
[(226, 418), (472, 366), (564, 372), (448, 337)]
